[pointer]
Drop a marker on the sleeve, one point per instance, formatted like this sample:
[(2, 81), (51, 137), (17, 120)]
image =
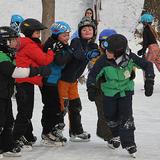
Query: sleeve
[(145, 65), (48, 44), (7, 68), (95, 71), (62, 59), (38, 56), (78, 51)]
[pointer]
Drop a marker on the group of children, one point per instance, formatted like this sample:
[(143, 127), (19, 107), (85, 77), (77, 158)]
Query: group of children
[(55, 67)]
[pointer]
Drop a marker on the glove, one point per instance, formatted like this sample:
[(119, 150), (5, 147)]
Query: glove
[(133, 75), (58, 46), (42, 71), (82, 79), (92, 46), (92, 92), (148, 86), (140, 52), (92, 54)]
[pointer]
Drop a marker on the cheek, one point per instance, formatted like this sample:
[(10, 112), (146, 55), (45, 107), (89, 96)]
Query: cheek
[(13, 44)]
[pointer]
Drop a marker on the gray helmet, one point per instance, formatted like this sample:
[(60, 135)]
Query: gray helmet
[(86, 21)]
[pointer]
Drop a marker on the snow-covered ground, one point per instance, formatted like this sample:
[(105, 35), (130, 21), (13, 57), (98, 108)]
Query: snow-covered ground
[(121, 15)]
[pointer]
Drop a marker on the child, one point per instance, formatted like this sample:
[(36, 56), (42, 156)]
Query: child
[(103, 130), (8, 71), (28, 54), (52, 117), (149, 41), (114, 70), (83, 51)]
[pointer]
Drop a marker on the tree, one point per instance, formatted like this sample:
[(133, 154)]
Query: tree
[(48, 17)]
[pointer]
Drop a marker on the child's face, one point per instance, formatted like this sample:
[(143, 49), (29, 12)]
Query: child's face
[(13, 42), (110, 55), (64, 37), (36, 34), (87, 32)]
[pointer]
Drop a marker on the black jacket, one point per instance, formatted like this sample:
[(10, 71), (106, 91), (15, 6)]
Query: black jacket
[(148, 37), (74, 69)]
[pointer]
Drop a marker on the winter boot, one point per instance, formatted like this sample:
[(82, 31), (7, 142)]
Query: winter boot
[(1, 154), (114, 142), (14, 152), (132, 150), (82, 137), (24, 144), (57, 131)]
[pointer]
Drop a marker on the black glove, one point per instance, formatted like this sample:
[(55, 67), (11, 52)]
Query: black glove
[(92, 46), (92, 92), (133, 75), (58, 46), (141, 52), (148, 86), (41, 71)]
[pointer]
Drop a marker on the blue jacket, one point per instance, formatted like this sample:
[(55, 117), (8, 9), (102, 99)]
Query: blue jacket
[(61, 58)]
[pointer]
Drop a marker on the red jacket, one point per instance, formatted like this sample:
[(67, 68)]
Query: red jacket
[(30, 54)]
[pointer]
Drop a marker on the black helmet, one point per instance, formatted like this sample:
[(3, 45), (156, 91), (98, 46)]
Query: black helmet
[(117, 44), (29, 25), (6, 33), (86, 21)]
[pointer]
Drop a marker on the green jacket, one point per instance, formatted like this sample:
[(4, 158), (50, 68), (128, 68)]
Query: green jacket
[(117, 78)]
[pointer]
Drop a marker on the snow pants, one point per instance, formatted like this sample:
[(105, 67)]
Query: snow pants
[(103, 131), (51, 113), (118, 113), (70, 91), (6, 125), (25, 103)]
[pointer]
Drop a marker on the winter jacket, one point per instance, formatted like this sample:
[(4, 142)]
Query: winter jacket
[(148, 37), (63, 56), (116, 79), (74, 69), (30, 54), (6, 81)]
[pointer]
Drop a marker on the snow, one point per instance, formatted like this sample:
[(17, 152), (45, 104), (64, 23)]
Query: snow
[(123, 16)]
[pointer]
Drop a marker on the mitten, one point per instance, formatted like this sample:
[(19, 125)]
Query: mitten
[(58, 46), (140, 52), (41, 71), (92, 92), (92, 54), (148, 86)]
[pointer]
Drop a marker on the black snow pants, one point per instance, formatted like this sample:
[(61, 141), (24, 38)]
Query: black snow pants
[(118, 113), (51, 113), (74, 109), (25, 104), (6, 125)]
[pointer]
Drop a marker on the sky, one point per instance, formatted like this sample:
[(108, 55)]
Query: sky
[(123, 16)]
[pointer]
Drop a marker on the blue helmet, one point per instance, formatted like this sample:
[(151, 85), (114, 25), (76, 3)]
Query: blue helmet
[(106, 33), (15, 22), (147, 18), (60, 27)]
